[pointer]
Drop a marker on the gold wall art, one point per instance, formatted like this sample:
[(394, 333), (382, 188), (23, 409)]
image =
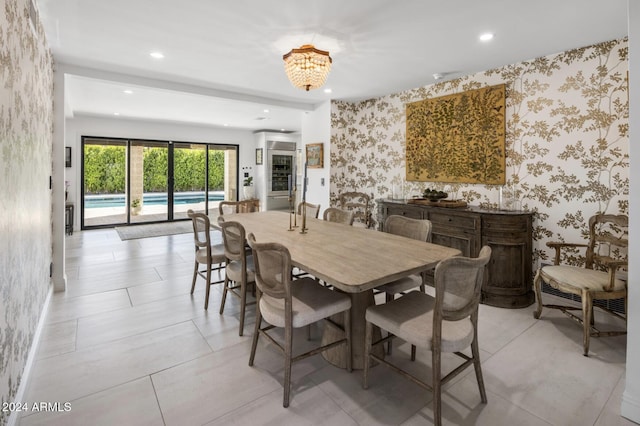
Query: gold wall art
[(457, 138)]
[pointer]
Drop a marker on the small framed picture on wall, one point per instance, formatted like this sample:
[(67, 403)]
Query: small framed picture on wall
[(315, 155), (258, 156), (67, 156)]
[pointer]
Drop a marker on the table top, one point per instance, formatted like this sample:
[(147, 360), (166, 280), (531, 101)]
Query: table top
[(350, 258)]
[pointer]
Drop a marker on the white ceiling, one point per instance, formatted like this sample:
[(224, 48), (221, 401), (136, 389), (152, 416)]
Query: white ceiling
[(223, 60)]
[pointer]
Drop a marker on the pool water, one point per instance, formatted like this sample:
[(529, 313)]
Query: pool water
[(118, 200)]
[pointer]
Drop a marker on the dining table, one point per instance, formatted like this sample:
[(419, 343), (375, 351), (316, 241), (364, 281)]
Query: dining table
[(351, 259)]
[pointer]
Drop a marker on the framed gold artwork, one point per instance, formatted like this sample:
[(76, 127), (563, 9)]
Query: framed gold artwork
[(315, 155), (458, 138)]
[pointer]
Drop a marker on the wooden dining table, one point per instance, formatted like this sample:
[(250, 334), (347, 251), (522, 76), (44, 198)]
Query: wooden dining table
[(351, 259)]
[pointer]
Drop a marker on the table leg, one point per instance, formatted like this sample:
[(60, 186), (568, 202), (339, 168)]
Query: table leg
[(337, 355)]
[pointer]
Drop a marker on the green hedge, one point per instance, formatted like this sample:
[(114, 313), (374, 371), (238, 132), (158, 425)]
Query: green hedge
[(104, 169)]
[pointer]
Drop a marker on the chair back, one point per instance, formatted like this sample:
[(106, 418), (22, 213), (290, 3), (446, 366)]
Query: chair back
[(458, 282), (201, 229), (417, 229), (229, 207), (233, 237), (358, 202), (608, 240), (312, 210), (333, 214), (273, 268)]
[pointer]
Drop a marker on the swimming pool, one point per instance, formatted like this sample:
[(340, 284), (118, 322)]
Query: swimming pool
[(118, 200)]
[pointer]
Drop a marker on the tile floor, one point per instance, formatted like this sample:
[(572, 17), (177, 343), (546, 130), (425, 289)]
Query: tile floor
[(127, 344)]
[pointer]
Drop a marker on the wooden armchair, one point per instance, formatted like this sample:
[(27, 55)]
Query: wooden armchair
[(599, 279), (359, 203)]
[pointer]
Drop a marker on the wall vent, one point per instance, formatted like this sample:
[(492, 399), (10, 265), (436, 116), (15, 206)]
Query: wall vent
[(616, 305)]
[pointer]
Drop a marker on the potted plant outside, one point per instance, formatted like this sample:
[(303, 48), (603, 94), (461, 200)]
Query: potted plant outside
[(135, 206)]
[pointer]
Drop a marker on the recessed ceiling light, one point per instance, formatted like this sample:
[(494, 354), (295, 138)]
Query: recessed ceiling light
[(116, 113), (226, 124), (266, 110), (156, 55), (327, 90), (486, 36), (128, 92), (282, 130)]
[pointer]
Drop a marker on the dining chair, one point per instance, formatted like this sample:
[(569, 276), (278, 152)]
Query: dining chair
[(244, 206), (359, 203), (336, 215), (312, 210), (240, 270), (600, 278), (285, 303), (206, 253), (447, 323), (417, 229)]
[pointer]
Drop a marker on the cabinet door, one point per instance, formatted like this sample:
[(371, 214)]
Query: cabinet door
[(460, 231), (508, 282)]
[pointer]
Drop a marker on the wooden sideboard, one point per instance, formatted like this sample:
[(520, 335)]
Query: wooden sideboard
[(508, 281)]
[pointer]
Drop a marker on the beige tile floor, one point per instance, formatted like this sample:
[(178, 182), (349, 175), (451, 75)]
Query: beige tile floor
[(127, 344)]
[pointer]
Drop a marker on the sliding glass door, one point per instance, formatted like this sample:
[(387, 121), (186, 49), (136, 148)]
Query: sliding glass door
[(104, 182), (139, 181)]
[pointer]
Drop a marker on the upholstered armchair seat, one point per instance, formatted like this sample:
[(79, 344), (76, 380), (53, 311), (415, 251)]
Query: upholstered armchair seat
[(563, 276), (410, 318), (234, 270), (310, 303)]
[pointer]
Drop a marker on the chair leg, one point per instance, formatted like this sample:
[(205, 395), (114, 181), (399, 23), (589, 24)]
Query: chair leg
[(224, 293), (537, 285), (288, 350), (475, 352), (437, 386), (243, 305), (206, 297), (367, 350), (587, 311), (195, 275), (256, 334)]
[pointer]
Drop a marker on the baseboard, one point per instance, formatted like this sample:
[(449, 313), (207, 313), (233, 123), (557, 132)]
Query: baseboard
[(26, 373), (630, 407)]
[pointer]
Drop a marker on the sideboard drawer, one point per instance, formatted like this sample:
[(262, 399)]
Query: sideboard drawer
[(457, 221), (499, 223)]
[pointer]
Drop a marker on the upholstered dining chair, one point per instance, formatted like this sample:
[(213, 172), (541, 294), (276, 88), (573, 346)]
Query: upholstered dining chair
[(207, 254), (599, 279), (447, 323), (336, 215), (417, 229), (359, 204), (229, 207), (240, 270), (288, 304), (312, 210)]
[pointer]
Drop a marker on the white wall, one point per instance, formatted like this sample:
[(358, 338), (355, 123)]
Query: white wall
[(631, 397), (123, 128), (316, 127)]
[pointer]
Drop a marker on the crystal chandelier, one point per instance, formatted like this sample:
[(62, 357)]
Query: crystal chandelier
[(307, 67)]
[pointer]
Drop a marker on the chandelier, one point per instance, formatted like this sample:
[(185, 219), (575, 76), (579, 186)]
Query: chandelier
[(307, 67)]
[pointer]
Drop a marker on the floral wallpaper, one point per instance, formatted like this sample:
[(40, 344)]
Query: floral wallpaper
[(26, 116), (567, 143)]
